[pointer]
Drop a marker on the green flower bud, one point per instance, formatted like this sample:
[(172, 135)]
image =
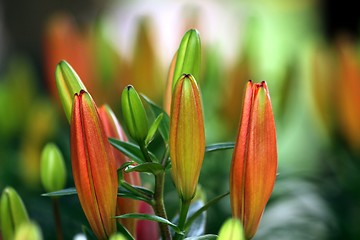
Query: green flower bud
[(117, 236), (68, 83), (53, 171), (188, 58), (28, 231), (12, 213), (134, 114), (232, 230)]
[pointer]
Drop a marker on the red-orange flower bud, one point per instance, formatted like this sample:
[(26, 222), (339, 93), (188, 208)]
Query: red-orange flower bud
[(254, 163), (187, 136), (93, 166), (113, 129)]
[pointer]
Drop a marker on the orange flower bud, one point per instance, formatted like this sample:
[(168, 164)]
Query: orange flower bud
[(254, 163), (93, 166), (187, 136), (113, 129)]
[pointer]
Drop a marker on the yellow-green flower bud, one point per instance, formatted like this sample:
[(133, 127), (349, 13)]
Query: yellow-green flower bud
[(187, 136), (12, 213), (68, 83), (28, 231), (188, 58), (134, 114), (53, 171), (117, 236), (231, 230)]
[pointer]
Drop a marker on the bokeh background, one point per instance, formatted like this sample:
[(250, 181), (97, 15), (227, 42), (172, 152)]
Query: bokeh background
[(307, 50)]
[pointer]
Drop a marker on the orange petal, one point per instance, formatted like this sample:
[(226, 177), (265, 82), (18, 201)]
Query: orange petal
[(93, 166)]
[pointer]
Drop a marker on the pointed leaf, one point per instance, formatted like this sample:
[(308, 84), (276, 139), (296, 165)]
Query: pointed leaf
[(219, 146), (153, 168), (151, 218), (129, 149), (153, 129), (204, 208), (63, 192), (203, 237), (124, 231), (164, 126)]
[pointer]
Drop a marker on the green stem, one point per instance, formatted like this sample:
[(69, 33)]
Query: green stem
[(55, 204), (145, 152), (185, 205), (158, 205)]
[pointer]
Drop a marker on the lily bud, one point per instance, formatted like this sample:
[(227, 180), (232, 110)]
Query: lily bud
[(93, 165), (231, 230), (12, 213), (113, 129), (188, 58), (28, 231), (68, 83), (254, 162), (53, 171), (134, 114), (187, 136)]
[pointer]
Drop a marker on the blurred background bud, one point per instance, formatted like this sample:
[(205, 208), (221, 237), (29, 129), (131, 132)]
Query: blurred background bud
[(28, 231), (231, 230), (13, 213), (53, 171)]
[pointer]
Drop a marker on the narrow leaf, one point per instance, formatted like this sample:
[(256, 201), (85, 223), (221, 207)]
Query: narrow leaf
[(153, 129), (164, 126), (204, 208), (151, 218), (124, 231), (203, 237), (219, 146), (153, 168), (129, 149), (63, 192)]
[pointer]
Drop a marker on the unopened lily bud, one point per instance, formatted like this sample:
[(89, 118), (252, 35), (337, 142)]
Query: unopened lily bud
[(93, 166), (231, 230), (68, 83), (12, 213), (117, 236), (53, 170), (134, 114), (188, 58), (187, 136), (254, 162), (28, 231)]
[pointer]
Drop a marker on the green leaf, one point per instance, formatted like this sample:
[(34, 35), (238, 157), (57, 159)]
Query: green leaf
[(135, 192), (203, 237), (191, 219), (197, 227), (63, 192), (153, 129), (152, 167), (151, 218), (164, 126), (188, 58), (129, 149), (124, 231), (219, 146)]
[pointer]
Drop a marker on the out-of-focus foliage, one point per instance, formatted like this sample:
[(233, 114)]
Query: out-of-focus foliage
[(314, 84)]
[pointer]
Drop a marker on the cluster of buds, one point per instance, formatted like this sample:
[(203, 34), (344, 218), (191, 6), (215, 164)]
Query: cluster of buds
[(95, 163)]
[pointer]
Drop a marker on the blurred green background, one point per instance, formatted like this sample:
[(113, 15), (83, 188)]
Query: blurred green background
[(307, 50)]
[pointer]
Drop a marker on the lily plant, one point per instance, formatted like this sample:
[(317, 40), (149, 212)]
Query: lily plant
[(109, 156)]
